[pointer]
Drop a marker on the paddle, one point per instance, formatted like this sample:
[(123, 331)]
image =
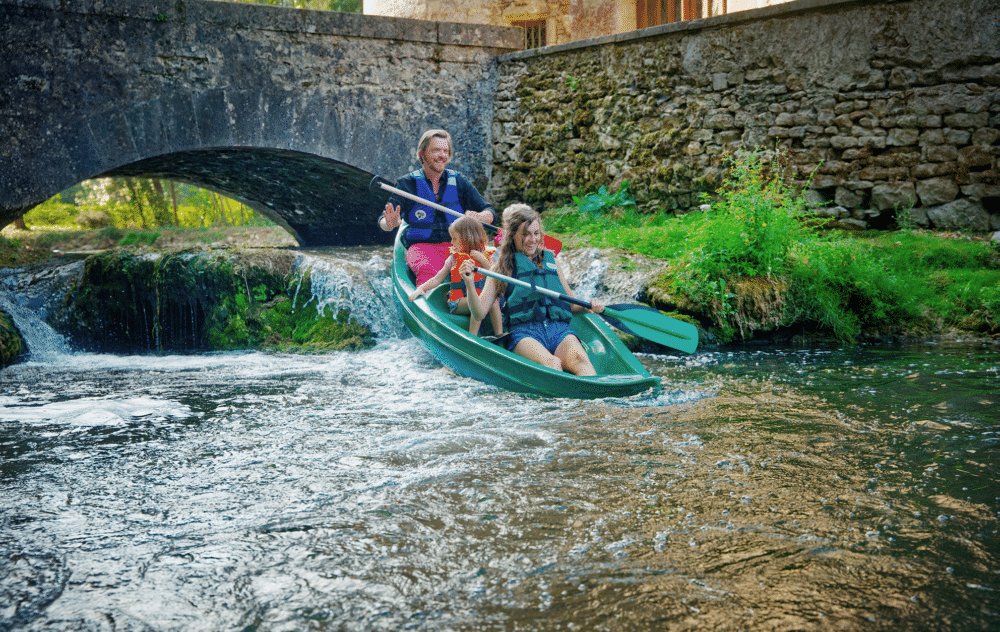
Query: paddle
[(644, 322), (378, 182)]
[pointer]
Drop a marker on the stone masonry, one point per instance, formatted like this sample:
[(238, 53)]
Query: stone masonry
[(879, 107)]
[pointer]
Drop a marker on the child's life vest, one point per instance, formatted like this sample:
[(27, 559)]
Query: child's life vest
[(457, 282)]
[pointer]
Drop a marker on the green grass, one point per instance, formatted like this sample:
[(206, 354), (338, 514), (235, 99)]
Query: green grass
[(753, 263)]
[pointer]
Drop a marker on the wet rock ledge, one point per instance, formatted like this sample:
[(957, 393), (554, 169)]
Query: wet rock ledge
[(127, 301)]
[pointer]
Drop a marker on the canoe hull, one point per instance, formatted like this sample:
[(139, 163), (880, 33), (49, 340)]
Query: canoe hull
[(447, 338)]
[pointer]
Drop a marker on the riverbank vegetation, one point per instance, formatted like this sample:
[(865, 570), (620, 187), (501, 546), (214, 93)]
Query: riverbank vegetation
[(210, 300), (755, 263)]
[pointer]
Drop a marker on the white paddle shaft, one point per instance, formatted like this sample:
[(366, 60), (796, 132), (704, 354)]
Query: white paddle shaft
[(417, 198)]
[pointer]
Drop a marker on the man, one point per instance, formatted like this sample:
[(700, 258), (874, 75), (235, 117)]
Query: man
[(426, 238)]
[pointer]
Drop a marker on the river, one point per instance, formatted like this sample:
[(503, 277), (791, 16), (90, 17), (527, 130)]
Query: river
[(762, 489)]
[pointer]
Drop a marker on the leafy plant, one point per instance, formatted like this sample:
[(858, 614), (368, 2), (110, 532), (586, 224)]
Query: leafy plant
[(601, 201), (754, 224)]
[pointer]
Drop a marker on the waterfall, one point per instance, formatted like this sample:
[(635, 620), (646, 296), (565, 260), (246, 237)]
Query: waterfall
[(44, 344), (344, 279)]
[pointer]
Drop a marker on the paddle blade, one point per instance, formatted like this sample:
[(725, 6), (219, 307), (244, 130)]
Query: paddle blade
[(653, 325), (553, 244)]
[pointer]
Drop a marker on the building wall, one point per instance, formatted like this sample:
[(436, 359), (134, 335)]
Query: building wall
[(891, 104)]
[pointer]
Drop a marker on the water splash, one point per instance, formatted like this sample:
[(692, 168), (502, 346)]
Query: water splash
[(44, 343), (343, 279)]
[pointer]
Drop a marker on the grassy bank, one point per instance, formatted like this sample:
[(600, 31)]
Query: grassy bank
[(19, 247), (757, 264)]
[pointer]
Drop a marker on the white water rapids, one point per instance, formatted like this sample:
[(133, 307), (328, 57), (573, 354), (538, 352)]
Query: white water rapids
[(767, 489)]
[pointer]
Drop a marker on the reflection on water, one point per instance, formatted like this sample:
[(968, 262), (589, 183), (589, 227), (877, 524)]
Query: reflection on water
[(777, 490)]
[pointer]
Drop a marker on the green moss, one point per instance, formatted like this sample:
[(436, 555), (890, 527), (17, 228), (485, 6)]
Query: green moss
[(11, 343), (198, 301)]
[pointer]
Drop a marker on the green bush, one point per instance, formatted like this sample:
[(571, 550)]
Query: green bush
[(754, 224)]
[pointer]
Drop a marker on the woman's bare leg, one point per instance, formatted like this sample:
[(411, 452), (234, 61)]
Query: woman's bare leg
[(574, 357), (536, 352)]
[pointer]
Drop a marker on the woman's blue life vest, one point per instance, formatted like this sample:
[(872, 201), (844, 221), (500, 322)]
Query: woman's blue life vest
[(524, 305), (428, 225)]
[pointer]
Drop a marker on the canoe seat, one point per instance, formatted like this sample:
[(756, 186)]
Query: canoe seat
[(438, 300)]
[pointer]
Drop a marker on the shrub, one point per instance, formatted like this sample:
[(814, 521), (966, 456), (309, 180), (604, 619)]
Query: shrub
[(94, 219)]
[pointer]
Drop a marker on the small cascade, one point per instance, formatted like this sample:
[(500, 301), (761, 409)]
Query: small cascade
[(353, 280), (587, 283), (44, 344)]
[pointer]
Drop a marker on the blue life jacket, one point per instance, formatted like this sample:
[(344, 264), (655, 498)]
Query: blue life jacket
[(523, 305), (428, 225)]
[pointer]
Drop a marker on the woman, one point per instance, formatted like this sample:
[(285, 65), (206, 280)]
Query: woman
[(538, 324)]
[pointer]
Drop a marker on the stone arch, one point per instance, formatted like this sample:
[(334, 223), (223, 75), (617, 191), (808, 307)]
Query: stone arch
[(291, 97)]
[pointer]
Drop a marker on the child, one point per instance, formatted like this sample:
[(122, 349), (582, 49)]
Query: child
[(468, 241)]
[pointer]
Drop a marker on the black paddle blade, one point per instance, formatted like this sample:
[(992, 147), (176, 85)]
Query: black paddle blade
[(375, 186)]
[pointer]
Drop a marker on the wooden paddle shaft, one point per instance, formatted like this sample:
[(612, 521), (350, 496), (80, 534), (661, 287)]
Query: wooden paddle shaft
[(434, 205), (540, 290)]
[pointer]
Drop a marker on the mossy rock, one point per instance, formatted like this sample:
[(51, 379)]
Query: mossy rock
[(200, 301), (12, 345)]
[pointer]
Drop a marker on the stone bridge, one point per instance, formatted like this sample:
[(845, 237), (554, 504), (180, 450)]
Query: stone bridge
[(289, 111)]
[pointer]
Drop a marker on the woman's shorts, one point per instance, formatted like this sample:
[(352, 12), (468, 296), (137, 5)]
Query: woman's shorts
[(549, 332)]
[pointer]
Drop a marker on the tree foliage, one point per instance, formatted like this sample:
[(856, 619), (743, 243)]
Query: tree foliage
[(139, 203)]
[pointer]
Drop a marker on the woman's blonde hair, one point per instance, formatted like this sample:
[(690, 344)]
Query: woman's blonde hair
[(425, 140), (470, 231), (514, 217)]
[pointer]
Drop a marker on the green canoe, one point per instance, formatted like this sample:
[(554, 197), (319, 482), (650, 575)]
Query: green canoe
[(448, 339)]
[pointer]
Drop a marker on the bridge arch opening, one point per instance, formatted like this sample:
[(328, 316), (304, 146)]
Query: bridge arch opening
[(319, 201)]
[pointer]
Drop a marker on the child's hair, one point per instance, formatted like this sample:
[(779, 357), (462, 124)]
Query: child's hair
[(515, 216), (470, 231)]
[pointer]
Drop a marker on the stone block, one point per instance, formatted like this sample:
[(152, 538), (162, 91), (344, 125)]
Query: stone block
[(957, 136), (978, 191), (962, 214), (827, 182), (936, 191), (934, 169), (985, 136), (848, 198), (965, 120), (859, 185), (872, 142), (941, 153), (828, 212), (884, 173), (896, 195), (918, 216), (931, 137), (719, 121), (899, 159), (902, 136), (785, 119), (843, 142), (975, 156)]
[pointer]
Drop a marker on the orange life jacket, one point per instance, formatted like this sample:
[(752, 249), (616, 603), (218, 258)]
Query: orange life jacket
[(457, 282)]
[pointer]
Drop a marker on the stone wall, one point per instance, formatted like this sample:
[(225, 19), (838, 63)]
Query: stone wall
[(891, 104), (88, 87)]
